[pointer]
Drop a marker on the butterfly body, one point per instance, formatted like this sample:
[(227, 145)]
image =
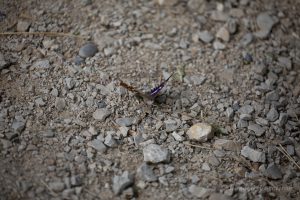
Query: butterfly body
[(149, 97)]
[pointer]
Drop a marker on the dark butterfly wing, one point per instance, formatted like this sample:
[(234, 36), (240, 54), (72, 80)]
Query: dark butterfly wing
[(157, 89)]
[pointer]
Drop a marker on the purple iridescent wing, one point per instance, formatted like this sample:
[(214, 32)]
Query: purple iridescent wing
[(157, 89)]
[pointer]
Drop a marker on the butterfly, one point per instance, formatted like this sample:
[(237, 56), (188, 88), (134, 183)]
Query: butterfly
[(149, 96)]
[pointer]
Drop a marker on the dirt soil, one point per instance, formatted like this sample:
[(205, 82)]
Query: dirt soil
[(225, 125)]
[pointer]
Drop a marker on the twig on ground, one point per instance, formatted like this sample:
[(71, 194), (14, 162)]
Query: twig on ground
[(282, 150)]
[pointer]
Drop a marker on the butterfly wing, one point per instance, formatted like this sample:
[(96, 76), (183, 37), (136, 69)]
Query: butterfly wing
[(134, 90), (156, 90)]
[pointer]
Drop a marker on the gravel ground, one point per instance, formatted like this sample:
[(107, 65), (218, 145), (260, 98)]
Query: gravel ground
[(225, 126)]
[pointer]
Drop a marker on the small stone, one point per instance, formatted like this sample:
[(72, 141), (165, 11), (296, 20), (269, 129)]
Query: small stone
[(200, 132), (197, 79), (41, 64), (223, 34), (57, 186), (205, 167), (171, 125), (70, 83), (54, 92), (126, 121), (48, 133), (60, 103), (260, 69), (110, 141), (109, 51), (265, 22), (262, 122), (199, 192), (213, 160), (246, 109), (228, 145), (18, 126), (253, 155), (246, 39), (290, 149), (257, 129), (6, 143), (40, 102), (177, 137), (3, 63), (218, 45), (98, 145), (122, 182), (206, 36), (272, 115), (154, 153), (145, 172), (195, 179), (124, 131), (272, 96), (285, 62), (101, 114), (76, 180), (273, 172), (23, 26), (229, 112), (232, 26), (283, 117), (219, 16), (88, 50), (245, 117), (219, 196)]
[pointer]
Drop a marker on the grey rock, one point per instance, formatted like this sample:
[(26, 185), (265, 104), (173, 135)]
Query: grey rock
[(88, 50), (70, 83), (272, 114), (242, 123), (110, 141), (151, 45), (205, 167), (265, 23), (199, 192), (260, 69), (177, 137), (101, 114), (219, 196), (76, 180), (206, 36), (200, 132), (261, 121), (145, 172), (197, 79), (98, 145), (225, 144), (283, 118), (41, 64), (54, 92), (257, 129), (246, 109), (232, 25), (218, 45), (109, 51), (18, 126), (122, 182), (272, 96), (6, 143), (3, 63), (253, 155), (57, 186), (195, 179), (11, 135), (60, 103), (154, 153), (245, 117), (229, 112), (171, 125), (48, 133), (23, 26), (246, 39), (126, 121), (40, 102), (285, 62), (290, 149), (219, 16), (213, 160), (223, 34), (273, 172)]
